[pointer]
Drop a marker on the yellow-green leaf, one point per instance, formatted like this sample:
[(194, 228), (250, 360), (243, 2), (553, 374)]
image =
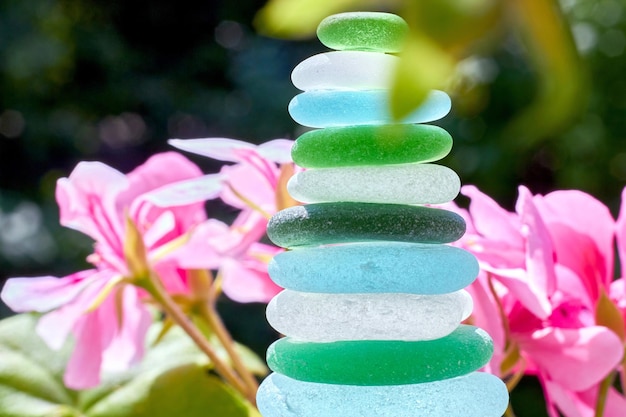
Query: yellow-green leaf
[(299, 18), (608, 315), (423, 66)]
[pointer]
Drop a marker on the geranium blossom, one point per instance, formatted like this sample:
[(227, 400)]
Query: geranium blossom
[(105, 315), (255, 184), (543, 271)]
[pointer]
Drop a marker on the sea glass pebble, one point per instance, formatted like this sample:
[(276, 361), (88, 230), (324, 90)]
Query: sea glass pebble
[(475, 395), (390, 267), (397, 184), (327, 108), (371, 145), (387, 316), (344, 70), (326, 223), (382, 362), (366, 31)]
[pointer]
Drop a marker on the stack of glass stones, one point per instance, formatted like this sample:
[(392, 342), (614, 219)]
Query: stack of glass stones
[(373, 296)]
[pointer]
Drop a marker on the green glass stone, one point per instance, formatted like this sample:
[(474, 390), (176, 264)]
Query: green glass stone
[(363, 31), (371, 145), (379, 362), (337, 222)]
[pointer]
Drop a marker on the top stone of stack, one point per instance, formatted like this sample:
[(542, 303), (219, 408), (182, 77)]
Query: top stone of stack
[(363, 31)]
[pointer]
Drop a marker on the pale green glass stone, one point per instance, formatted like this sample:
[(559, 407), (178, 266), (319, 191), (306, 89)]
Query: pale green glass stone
[(396, 184), (363, 31)]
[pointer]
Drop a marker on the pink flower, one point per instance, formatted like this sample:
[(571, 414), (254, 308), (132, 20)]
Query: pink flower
[(548, 265), (255, 184), (106, 316)]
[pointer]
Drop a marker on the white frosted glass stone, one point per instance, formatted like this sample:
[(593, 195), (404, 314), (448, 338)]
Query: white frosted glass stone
[(344, 70), (319, 317), (396, 184)]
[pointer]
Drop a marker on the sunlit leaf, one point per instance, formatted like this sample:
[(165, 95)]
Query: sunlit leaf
[(173, 379), (299, 18), (562, 90), (423, 66), (608, 315)]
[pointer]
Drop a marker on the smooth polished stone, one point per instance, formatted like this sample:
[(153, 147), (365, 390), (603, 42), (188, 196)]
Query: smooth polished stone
[(395, 184), (389, 267), (371, 145), (382, 362), (475, 395), (365, 31), (327, 223), (335, 317), (353, 70), (328, 108)]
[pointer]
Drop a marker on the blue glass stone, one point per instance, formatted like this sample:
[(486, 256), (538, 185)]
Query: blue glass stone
[(391, 267), (474, 395), (326, 108)]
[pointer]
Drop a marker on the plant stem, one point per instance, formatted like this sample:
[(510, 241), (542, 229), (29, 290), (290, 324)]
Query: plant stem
[(603, 392), (206, 291), (212, 317), (153, 285)]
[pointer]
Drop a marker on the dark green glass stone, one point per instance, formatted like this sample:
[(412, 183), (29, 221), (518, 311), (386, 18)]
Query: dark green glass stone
[(363, 31), (378, 362), (371, 145), (327, 223)]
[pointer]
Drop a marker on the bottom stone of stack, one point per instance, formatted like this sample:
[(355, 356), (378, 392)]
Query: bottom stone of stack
[(474, 395)]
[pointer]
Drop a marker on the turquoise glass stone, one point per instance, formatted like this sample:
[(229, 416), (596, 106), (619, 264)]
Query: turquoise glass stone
[(375, 267), (475, 395), (327, 223), (371, 145), (363, 31), (328, 108), (382, 362)]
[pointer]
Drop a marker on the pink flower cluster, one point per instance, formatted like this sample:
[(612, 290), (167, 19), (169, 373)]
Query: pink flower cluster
[(164, 200), (547, 296)]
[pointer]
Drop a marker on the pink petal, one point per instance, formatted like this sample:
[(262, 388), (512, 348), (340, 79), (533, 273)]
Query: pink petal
[(486, 316), (582, 404), (246, 283), (278, 150), (205, 247), (54, 326), (582, 229), (620, 231), (42, 294), (83, 368), (86, 201), (524, 289), (127, 347), (491, 220), (539, 251), (576, 359), (248, 182), (186, 192), (159, 170), (222, 149)]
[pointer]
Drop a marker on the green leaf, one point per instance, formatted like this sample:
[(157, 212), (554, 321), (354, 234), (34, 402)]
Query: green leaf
[(608, 315), (299, 18), (423, 66), (187, 390), (173, 379), (30, 373)]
